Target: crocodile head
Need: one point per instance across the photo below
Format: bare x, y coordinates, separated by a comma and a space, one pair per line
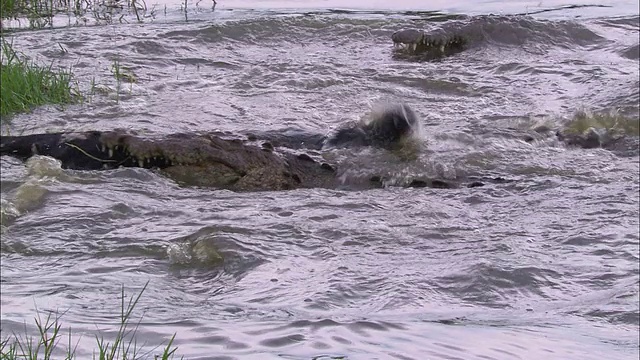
205, 160
414, 43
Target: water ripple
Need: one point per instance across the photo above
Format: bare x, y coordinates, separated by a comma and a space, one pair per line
545, 266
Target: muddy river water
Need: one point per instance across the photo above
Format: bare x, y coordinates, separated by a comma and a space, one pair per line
546, 267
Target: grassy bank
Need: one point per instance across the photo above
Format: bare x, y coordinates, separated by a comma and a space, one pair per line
27, 8
25, 84
52, 344
39, 13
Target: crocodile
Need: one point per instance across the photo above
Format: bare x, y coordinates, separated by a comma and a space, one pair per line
202, 160
213, 160
257, 162
208, 160
415, 43
439, 39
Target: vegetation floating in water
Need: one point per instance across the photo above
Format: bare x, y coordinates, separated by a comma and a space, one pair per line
25, 84
47, 345
612, 122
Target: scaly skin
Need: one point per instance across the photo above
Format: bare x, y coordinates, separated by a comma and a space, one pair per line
417, 43
207, 160
197, 160
280, 163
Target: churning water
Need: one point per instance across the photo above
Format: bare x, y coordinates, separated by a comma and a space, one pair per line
544, 267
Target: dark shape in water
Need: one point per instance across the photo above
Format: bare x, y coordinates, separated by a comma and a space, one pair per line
385, 129
619, 144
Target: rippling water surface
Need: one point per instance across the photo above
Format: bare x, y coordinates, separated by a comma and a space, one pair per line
545, 267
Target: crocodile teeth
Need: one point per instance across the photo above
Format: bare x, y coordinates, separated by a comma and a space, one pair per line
103, 148
414, 46
110, 153
441, 48
141, 163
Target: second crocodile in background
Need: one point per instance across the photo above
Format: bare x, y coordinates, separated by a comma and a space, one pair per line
418, 44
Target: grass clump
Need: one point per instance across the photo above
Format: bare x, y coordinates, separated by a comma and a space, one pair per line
14, 8
40, 13
47, 344
8, 8
25, 85
612, 122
